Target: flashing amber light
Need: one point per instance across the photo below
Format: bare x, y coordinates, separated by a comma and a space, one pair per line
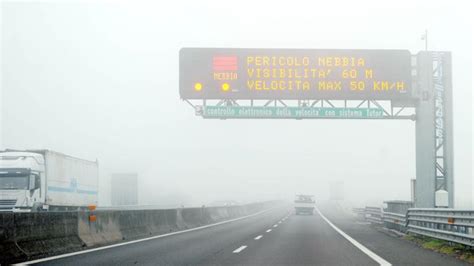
225, 86
197, 86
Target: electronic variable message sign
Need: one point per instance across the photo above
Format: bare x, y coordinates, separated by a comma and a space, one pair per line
221, 73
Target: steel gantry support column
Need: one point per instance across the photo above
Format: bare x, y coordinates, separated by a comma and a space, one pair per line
434, 129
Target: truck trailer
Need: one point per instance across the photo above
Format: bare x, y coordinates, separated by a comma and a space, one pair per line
42, 180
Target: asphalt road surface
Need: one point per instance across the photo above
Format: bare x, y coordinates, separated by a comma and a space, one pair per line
276, 237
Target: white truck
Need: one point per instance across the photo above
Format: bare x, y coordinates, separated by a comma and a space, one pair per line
40, 180
304, 204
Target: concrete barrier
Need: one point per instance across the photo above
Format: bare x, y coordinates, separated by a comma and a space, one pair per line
220, 213
8, 247
115, 226
27, 236
30, 235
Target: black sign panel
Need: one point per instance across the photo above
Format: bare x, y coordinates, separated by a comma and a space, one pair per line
221, 73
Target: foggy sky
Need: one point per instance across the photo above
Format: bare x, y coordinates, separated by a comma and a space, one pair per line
101, 81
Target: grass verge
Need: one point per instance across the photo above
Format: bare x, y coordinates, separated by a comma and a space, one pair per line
444, 247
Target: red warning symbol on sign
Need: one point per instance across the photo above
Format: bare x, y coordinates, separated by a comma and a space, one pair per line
224, 63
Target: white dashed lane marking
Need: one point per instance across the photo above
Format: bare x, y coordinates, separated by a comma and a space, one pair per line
239, 249
260, 236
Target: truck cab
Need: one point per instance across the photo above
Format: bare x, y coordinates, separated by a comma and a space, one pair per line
22, 181
304, 204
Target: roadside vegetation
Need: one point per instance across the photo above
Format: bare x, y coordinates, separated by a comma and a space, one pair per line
462, 252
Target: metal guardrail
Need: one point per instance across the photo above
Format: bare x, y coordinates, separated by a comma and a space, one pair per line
394, 218
373, 215
446, 224
370, 214
396, 221
359, 211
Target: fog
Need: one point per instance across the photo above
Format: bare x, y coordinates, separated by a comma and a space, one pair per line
100, 81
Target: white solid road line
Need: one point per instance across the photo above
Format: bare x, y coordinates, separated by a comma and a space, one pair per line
269, 230
367, 251
139, 240
239, 249
258, 237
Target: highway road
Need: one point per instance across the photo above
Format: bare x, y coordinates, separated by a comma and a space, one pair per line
275, 237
